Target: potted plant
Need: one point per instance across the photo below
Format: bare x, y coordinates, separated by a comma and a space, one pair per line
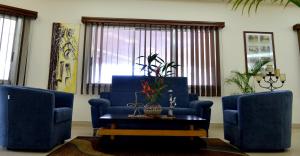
242, 80
156, 68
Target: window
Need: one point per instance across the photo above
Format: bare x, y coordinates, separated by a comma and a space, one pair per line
111, 48
7, 31
14, 32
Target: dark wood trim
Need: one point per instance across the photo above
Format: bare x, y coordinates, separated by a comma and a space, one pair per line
150, 22
83, 61
9, 10
299, 38
245, 52
245, 46
296, 27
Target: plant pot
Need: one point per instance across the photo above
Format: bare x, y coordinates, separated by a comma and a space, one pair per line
152, 109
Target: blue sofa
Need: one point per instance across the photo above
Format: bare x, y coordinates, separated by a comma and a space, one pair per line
123, 92
34, 119
258, 121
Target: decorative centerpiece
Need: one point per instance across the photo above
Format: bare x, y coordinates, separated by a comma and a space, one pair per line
172, 101
153, 88
270, 77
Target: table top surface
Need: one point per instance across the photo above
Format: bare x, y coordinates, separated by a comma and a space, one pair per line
178, 118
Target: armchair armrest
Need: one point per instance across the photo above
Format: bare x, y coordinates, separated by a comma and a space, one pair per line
101, 102
63, 99
230, 102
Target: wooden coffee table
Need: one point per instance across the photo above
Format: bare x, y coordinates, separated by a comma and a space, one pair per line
193, 126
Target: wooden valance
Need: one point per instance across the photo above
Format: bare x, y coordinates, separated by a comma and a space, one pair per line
297, 28
100, 20
9, 10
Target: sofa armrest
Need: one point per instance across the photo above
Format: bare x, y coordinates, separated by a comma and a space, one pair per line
98, 108
100, 102
230, 102
63, 99
105, 95
202, 108
200, 104
193, 97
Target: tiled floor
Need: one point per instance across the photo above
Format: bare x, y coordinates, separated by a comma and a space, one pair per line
215, 132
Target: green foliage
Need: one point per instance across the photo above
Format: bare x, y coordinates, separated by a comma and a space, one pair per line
241, 80
155, 64
251, 4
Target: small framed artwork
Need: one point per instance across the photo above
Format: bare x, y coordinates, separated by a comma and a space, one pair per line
258, 46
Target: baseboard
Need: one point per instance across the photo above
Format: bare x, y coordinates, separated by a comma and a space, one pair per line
216, 125
82, 123
220, 125
296, 126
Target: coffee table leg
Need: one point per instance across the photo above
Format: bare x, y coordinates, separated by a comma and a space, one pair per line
112, 126
192, 128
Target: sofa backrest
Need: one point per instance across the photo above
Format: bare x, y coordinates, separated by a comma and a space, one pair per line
124, 88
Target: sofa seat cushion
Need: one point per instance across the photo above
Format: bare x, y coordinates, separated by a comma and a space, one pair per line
120, 110
62, 114
129, 110
231, 116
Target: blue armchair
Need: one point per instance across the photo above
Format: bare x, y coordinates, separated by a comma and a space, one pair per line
258, 121
34, 119
123, 91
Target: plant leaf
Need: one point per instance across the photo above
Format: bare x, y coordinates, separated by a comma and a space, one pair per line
251, 3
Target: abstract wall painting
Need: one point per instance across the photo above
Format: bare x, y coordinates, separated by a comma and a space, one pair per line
64, 57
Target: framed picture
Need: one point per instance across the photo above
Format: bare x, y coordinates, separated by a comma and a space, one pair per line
258, 46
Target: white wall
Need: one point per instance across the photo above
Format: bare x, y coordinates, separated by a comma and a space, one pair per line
270, 18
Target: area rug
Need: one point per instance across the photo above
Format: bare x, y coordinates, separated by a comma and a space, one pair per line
95, 146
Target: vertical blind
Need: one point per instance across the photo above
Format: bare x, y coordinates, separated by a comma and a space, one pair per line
14, 35
10, 40
112, 49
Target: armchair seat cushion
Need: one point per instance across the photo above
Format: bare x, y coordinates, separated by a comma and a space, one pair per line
231, 116
62, 114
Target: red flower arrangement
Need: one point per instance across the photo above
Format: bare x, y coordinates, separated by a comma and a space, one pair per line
153, 91
160, 69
